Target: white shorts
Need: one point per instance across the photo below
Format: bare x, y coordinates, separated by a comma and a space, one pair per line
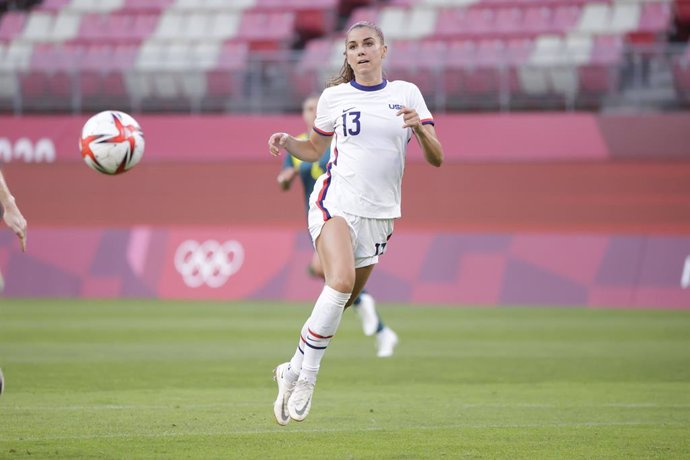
369, 236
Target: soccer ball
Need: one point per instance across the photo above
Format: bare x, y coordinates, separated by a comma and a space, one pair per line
111, 142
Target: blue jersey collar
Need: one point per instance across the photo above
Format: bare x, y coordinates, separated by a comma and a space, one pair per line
369, 88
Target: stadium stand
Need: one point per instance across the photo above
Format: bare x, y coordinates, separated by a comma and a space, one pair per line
201, 54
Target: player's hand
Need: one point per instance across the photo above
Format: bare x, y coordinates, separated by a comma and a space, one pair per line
410, 117
276, 142
15, 221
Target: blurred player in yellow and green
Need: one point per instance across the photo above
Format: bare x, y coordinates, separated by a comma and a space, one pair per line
386, 339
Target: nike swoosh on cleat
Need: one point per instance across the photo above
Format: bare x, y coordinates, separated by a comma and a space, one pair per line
285, 412
300, 412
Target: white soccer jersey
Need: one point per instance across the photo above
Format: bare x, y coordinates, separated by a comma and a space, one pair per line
364, 175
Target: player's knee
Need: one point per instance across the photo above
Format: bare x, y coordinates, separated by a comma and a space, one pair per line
342, 281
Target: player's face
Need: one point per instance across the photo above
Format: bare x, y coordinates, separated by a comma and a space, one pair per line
309, 111
364, 51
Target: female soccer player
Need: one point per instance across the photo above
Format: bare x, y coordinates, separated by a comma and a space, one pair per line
353, 205
365, 305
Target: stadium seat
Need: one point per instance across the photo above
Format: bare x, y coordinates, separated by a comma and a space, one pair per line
369, 14
565, 18
267, 31
625, 17
537, 21
145, 6
17, 56
508, 22
654, 24
600, 74
11, 25
309, 75
225, 80
595, 19
39, 27
52, 5
95, 6
419, 62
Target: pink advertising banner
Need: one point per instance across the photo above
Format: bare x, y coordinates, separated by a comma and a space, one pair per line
419, 267
467, 137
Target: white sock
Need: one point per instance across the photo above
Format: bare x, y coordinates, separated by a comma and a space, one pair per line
295, 366
320, 328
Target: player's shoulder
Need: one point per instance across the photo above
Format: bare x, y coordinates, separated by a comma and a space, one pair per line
336, 90
402, 85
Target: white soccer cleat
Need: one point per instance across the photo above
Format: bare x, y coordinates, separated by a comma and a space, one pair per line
2, 382
300, 401
386, 340
284, 391
366, 309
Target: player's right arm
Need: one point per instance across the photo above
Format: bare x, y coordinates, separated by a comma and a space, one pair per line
11, 214
309, 149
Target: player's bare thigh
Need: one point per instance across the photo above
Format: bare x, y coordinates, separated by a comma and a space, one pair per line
336, 254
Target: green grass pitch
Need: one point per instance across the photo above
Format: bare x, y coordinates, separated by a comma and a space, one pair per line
153, 379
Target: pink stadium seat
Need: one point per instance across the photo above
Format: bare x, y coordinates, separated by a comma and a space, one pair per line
429, 60
347, 7
490, 53
53, 5
117, 28
537, 21
313, 18
123, 57
565, 18
233, 56
145, 6
97, 57
508, 21
61, 85
143, 26
363, 14
307, 76
460, 58
480, 23
655, 17
11, 24
607, 50
33, 85
450, 22
402, 60
267, 31
99, 88
56, 57
226, 79
655, 22
600, 75
518, 51
90, 83
93, 27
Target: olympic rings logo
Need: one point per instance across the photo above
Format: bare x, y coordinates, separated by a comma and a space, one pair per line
209, 263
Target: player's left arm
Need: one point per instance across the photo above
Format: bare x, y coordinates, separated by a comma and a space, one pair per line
425, 134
